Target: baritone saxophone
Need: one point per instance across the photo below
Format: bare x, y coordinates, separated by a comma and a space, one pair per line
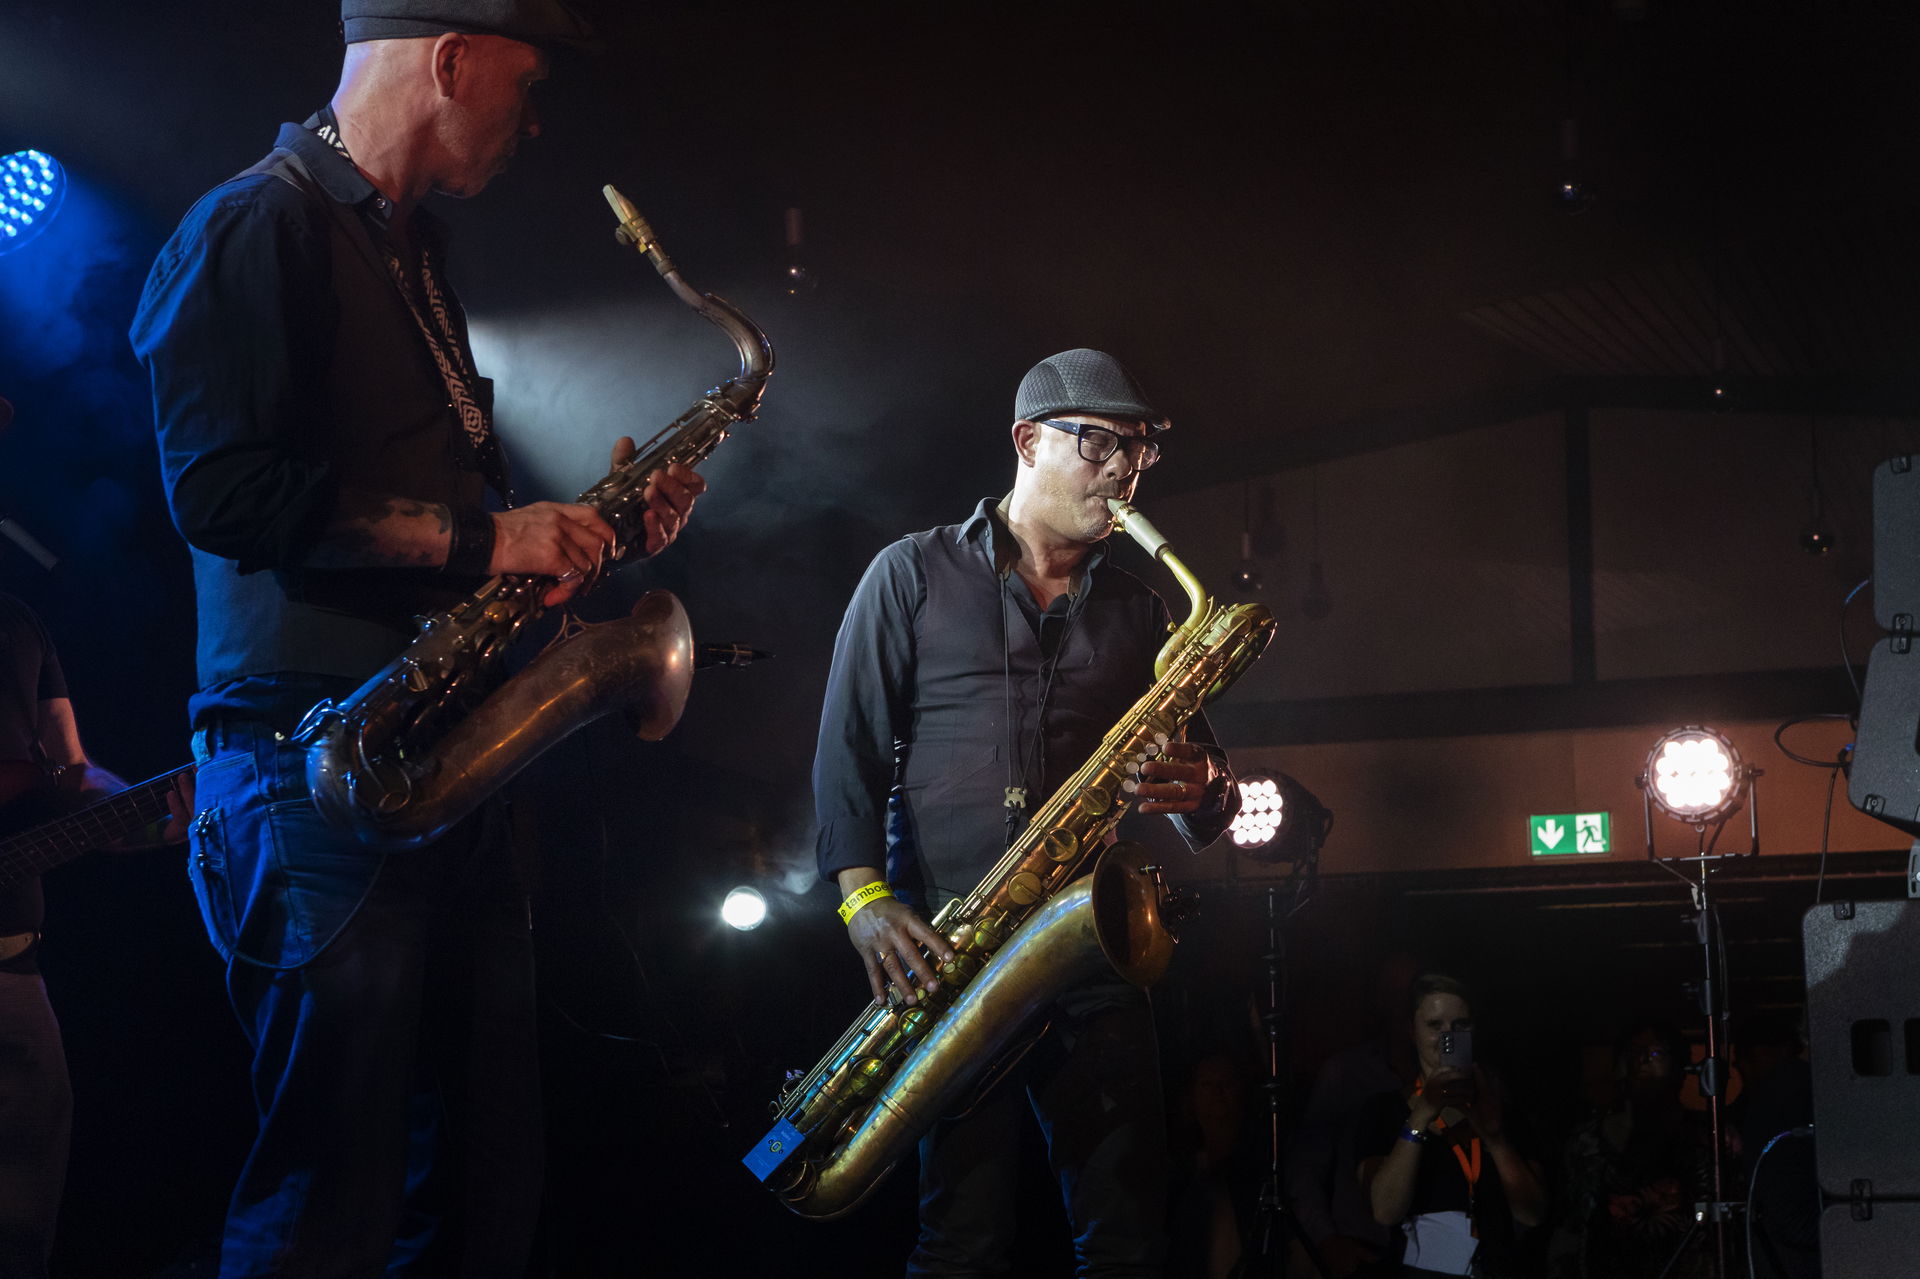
1030, 930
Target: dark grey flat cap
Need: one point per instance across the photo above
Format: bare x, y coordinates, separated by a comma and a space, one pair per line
547, 23
1082, 381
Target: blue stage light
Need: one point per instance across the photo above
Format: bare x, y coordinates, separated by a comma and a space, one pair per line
32, 185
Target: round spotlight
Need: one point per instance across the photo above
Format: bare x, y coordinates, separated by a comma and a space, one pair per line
1695, 775
744, 909
1279, 820
32, 185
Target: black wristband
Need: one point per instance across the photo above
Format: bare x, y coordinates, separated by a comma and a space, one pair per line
470, 549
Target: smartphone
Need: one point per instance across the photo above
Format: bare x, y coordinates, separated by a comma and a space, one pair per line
1456, 1050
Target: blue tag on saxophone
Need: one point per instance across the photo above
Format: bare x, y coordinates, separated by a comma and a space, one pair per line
773, 1149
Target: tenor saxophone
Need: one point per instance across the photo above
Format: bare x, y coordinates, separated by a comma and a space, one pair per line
435, 731
1031, 929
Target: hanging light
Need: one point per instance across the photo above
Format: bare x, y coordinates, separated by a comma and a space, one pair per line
745, 909
1279, 819
32, 185
1694, 775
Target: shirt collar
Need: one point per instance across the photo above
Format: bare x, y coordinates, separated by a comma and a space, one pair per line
986, 526
342, 181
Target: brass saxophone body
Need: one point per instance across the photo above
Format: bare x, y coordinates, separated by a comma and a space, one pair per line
1030, 930
435, 731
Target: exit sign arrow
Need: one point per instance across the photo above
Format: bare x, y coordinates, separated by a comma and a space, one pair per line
1551, 832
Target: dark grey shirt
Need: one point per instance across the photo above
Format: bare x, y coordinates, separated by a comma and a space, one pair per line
949, 684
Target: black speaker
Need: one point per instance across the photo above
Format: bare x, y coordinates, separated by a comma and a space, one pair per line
1863, 1023
1884, 779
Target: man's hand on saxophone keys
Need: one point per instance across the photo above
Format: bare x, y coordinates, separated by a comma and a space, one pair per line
1177, 781
892, 940
669, 496
561, 540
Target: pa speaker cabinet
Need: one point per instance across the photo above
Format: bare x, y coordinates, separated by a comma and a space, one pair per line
1863, 1022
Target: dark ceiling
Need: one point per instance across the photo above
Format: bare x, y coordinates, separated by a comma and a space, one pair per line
1287, 215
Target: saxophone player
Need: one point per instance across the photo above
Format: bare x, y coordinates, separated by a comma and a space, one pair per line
328, 453
978, 665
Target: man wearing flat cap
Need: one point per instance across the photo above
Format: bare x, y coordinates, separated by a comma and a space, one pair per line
328, 452
978, 666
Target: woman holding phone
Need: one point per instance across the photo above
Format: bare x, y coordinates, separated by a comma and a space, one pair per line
1443, 1166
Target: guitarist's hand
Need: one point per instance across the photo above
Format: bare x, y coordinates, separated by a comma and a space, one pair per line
179, 809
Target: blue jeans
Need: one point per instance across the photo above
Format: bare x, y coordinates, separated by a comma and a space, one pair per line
1093, 1082
389, 1004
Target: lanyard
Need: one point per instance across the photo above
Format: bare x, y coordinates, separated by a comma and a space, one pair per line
1469, 1163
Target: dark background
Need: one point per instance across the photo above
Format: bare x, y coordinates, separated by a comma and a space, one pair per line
1325, 235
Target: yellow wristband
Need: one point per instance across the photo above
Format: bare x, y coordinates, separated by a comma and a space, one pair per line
861, 896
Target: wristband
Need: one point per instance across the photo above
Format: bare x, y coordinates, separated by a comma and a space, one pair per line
470, 548
859, 897
1413, 1136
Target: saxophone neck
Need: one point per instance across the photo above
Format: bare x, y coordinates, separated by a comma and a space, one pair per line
742, 394
1153, 542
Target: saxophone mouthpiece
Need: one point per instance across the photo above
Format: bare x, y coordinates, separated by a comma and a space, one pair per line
633, 228
1138, 527
709, 655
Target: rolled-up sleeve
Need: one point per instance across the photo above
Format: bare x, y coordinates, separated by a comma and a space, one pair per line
234, 328
867, 707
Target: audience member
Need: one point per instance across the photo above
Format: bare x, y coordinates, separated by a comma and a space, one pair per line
1442, 1161
1634, 1169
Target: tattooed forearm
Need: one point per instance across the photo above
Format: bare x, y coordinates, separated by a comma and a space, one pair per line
379, 529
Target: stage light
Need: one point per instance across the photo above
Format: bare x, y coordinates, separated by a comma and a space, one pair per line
32, 185
1279, 819
744, 909
1695, 775
1258, 820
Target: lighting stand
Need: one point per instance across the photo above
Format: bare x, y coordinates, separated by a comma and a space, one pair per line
1263, 1249
1712, 1071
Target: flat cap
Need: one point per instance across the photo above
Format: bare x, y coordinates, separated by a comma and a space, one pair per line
547, 23
1082, 381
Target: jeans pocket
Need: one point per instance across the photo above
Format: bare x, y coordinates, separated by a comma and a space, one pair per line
323, 876
210, 863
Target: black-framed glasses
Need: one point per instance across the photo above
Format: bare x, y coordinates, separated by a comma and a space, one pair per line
1097, 443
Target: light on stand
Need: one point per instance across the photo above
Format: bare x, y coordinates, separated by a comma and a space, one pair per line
1694, 775
744, 909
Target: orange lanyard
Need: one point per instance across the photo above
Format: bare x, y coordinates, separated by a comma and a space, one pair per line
1469, 1163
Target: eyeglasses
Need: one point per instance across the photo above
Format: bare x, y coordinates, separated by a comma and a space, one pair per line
1097, 443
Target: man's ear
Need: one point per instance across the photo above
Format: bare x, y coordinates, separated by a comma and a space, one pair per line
1026, 441
450, 54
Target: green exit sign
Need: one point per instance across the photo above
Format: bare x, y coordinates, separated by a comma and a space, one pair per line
1569, 834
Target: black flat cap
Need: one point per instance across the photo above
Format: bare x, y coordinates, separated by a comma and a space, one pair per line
1082, 381
547, 23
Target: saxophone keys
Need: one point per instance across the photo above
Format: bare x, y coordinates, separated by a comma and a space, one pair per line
1026, 888
1060, 846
